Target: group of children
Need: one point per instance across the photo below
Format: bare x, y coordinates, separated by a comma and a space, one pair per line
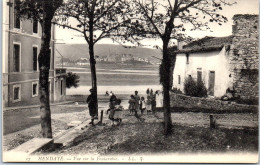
135, 104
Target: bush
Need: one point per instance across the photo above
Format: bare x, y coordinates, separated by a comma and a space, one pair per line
177, 91
248, 101
195, 89
72, 80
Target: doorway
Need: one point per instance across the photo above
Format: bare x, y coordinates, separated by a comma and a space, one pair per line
211, 83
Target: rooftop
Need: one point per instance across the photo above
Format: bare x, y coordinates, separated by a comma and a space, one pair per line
206, 44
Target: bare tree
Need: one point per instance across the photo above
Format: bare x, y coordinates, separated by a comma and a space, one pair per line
168, 20
95, 20
42, 11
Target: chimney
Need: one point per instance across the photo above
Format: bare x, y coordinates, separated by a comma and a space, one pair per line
180, 45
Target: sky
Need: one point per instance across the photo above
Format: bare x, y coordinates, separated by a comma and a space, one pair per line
241, 7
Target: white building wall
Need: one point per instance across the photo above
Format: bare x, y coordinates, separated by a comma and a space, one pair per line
216, 61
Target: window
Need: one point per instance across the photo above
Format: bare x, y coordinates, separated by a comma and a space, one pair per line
16, 58
17, 20
199, 76
187, 58
35, 26
61, 87
35, 89
35, 59
179, 79
16, 93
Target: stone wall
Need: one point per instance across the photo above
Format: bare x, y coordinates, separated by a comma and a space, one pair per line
209, 104
244, 56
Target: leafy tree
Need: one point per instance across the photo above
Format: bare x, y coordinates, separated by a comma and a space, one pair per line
168, 20
72, 80
42, 11
95, 20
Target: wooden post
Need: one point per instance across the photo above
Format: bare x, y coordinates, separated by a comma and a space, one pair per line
101, 117
212, 122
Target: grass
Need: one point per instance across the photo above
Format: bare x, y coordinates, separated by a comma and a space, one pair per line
133, 137
149, 139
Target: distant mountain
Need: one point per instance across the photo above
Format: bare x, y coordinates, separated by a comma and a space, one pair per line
76, 51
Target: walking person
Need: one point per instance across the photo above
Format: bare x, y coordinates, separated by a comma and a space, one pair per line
91, 101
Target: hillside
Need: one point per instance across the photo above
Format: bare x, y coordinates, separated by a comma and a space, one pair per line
76, 51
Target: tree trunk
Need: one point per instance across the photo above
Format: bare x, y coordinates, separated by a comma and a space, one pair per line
173, 60
44, 66
93, 73
166, 87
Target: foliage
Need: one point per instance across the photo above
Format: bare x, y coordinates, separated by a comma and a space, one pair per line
72, 80
37, 9
95, 19
193, 88
248, 101
177, 91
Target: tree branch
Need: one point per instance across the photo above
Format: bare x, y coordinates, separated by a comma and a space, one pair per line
105, 12
150, 19
187, 6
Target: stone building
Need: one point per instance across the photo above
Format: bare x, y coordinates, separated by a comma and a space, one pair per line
21, 46
223, 62
204, 60
244, 56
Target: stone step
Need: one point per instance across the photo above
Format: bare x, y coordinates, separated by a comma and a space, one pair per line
32, 145
74, 123
67, 137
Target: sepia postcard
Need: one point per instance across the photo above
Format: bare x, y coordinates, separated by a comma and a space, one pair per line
130, 81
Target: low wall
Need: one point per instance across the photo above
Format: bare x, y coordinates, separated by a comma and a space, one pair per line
209, 104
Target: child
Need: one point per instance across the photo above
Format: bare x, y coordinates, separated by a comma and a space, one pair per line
132, 103
142, 105
148, 104
118, 114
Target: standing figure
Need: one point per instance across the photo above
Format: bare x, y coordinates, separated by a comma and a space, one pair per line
151, 92
142, 105
91, 101
118, 114
132, 104
112, 100
137, 100
159, 98
153, 102
147, 91
148, 104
